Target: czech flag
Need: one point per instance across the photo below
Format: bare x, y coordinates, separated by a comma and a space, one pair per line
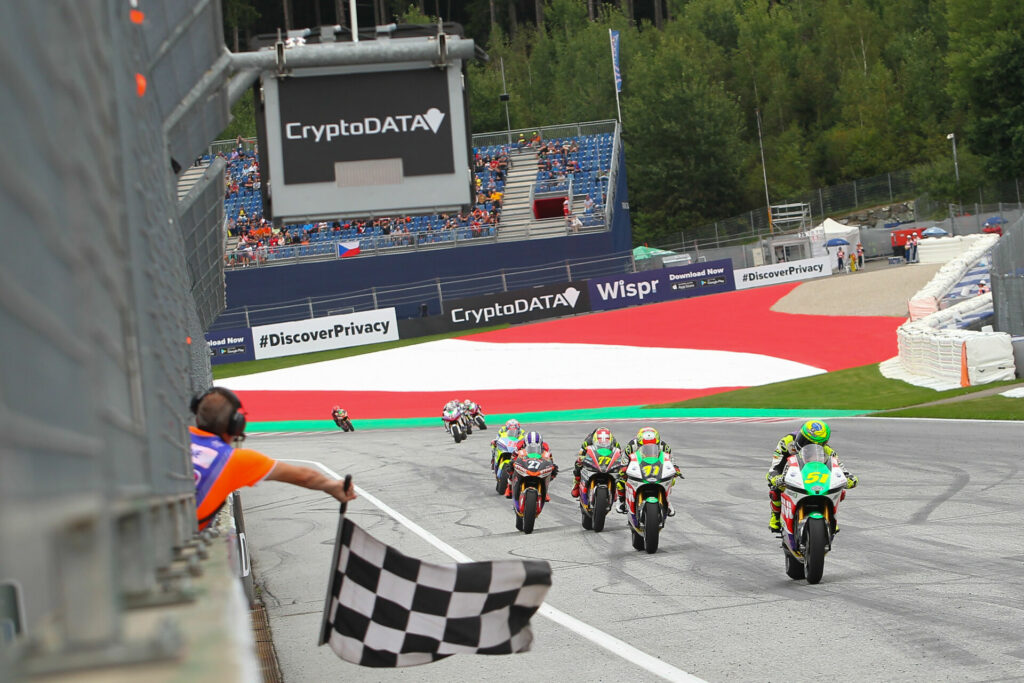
346, 249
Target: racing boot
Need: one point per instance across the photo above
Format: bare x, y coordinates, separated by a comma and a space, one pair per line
575, 493
508, 491
774, 523
621, 509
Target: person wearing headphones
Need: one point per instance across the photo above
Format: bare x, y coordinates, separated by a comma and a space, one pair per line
220, 468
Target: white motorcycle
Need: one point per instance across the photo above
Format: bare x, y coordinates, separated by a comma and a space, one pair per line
813, 485
649, 480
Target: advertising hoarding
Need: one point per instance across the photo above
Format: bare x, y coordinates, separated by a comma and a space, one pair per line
536, 303
666, 284
325, 333
230, 345
791, 271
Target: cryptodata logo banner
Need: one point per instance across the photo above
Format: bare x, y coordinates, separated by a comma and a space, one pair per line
323, 334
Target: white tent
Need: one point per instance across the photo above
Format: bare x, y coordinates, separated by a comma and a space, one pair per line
831, 229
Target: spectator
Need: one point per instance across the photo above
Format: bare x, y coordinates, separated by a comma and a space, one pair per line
840, 255
983, 287
588, 204
220, 468
576, 223
860, 256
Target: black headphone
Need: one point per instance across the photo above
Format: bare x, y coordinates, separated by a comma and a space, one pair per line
236, 422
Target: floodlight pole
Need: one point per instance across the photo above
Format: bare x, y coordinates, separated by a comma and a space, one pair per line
504, 98
354, 20
764, 172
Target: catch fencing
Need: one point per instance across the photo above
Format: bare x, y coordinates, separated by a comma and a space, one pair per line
97, 495
1008, 279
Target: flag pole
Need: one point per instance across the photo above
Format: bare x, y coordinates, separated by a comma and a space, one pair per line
616, 78
325, 623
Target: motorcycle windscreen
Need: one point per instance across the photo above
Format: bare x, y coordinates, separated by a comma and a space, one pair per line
812, 453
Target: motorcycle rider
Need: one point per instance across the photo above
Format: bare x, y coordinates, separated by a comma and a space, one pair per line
511, 430
812, 431
533, 443
450, 405
337, 413
644, 436
601, 438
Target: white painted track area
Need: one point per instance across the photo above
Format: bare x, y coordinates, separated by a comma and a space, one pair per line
924, 584
428, 367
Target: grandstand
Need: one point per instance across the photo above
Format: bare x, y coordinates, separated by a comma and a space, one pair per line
514, 187
517, 222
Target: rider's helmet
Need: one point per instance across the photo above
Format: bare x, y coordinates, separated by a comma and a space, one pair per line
513, 428
337, 408
647, 435
813, 431
602, 438
534, 443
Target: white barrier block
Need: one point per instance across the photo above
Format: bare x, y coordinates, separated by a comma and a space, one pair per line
989, 358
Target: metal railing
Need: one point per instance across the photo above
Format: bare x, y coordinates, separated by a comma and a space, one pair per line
433, 292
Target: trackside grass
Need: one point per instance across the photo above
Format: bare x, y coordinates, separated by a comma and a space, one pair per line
863, 389
981, 408
251, 367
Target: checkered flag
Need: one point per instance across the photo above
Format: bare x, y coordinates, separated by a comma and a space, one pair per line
386, 609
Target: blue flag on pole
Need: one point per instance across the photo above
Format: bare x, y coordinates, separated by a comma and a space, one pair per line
614, 35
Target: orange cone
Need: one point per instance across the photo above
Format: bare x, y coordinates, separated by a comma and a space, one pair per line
965, 378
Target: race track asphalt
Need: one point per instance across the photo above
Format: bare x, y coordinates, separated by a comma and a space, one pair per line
925, 581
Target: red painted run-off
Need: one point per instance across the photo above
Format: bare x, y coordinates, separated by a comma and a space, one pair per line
739, 321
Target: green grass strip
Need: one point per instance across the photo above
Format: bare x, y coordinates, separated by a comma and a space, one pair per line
851, 389
250, 367
595, 415
983, 408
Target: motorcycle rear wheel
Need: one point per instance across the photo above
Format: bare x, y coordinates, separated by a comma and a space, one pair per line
599, 507
480, 423
529, 510
652, 526
817, 539
794, 567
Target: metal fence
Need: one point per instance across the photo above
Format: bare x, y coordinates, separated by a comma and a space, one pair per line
1007, 276
433, 293
846, 198
96, 489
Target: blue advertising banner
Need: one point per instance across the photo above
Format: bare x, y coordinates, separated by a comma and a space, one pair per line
230, 345
614, 37
651, 286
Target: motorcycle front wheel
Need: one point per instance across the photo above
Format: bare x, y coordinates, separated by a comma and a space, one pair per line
599, 507
529, 510
652, 526
817, 539
502, 484
638, 540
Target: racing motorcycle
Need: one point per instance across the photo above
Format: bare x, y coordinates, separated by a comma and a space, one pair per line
342, 419
453, 422
599, 470
530, 475
502, 453
811, 490
476, 416
649, 479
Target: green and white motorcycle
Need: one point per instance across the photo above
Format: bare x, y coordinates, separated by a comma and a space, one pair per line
649, 479
813, 485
